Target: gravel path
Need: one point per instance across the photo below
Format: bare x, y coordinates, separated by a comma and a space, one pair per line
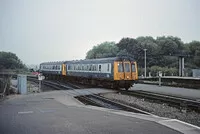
160, 109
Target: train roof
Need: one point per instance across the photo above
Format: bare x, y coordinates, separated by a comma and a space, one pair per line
53, 63
86, 61
101, 60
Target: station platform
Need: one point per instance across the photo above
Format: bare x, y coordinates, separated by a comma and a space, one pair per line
180, 92
58, 112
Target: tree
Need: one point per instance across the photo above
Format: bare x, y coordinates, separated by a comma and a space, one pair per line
148, 43
9, 60
194, 47
169, 45
128, 44
162, 51
103, 50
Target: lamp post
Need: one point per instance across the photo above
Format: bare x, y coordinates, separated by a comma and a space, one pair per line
145, 62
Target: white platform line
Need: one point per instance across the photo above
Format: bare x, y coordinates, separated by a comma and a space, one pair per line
25, 112
191, 125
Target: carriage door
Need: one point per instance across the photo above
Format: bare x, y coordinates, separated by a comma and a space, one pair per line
134, 71
63, 69
127, 70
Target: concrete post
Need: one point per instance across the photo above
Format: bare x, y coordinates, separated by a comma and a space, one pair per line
181, 66
160, 75
149, 74
39, 90
145, 63
22, 84
159, 81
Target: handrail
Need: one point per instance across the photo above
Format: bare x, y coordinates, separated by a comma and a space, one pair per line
2, 94
6, 85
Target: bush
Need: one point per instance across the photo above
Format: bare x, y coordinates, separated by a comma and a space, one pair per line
154, 71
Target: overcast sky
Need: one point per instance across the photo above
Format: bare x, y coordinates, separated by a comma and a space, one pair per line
51, 30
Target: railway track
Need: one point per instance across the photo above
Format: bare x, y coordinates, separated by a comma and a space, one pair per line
173, 100
182, 103
92, 99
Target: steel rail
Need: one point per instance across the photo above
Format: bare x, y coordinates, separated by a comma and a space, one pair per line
182, 102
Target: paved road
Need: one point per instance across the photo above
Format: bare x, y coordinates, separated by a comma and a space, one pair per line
56, 112
182, 92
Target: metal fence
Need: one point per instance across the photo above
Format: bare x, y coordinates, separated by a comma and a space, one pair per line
196, 73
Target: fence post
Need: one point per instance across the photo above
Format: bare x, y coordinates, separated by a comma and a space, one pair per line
160, 75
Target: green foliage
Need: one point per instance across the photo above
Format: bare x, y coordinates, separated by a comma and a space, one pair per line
103, 50
9, 60
161, 52
194, 48
154, 70
169, 45
128, 46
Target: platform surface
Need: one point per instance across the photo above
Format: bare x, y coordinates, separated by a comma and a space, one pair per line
58, 112
181, 92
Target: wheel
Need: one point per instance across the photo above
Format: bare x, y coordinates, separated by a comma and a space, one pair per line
126, 87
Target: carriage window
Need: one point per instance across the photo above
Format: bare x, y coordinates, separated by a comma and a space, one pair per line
133, 67
108, 68
79, 67
120, 68
95, 68
99, 67
90, 68
65, 68
127, 67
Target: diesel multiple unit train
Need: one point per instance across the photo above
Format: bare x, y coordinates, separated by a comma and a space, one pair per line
115, 72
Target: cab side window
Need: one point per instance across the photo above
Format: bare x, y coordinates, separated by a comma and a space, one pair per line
120, 67
100, 68
127, 67
133, 67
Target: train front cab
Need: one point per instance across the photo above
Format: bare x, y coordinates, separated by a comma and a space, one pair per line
125, 73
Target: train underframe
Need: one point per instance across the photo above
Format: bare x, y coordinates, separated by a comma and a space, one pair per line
115, 84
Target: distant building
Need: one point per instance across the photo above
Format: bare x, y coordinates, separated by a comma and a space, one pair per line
196, 73
32, 67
